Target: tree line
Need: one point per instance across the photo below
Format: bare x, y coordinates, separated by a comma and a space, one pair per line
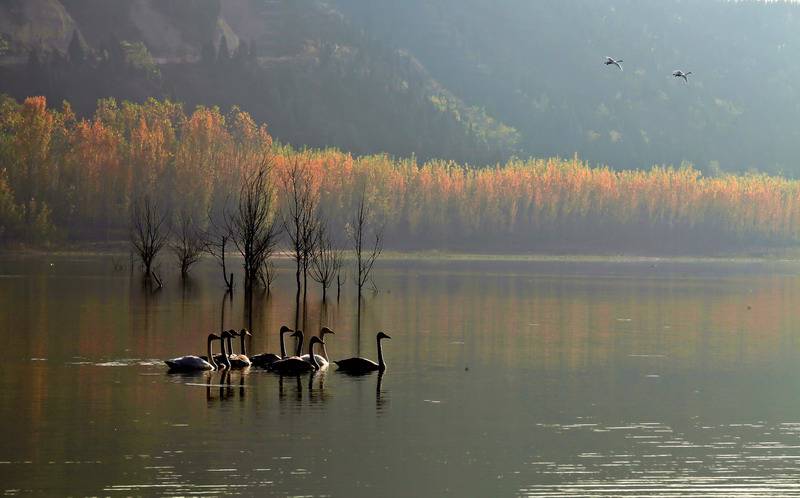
69, 179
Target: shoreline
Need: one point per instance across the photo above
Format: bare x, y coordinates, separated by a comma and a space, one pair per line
763, 256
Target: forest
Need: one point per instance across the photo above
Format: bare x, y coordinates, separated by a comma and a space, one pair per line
444, 79
71, 179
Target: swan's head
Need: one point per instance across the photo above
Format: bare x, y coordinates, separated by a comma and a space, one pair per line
381, 335
226, 335
285, 329
297, 333
245, 333
316, 340
325, 330
213, 337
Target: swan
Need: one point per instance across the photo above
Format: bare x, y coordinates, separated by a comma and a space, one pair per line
223, 358
681, 74
323, 358
610, 61
228, 359
363, 365
239, 360
295, 365
194, 363
264, 360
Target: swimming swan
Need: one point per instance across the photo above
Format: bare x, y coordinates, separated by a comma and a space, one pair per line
239, 360
363, 365
295, 365
194, 363
323, 358
264, 360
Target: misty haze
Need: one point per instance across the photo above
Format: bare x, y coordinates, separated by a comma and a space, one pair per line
400, 248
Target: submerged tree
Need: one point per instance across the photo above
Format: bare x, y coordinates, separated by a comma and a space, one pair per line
366, 248
216, 243
149, 231
187, 243
327, 260
252, 224
300, 222
269, 273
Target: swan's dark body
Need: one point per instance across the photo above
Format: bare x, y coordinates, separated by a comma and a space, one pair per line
264, 360
296, 365
360, 365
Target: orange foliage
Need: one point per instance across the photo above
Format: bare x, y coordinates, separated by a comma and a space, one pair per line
196, 162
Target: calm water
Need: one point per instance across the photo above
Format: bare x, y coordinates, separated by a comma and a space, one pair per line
504, 378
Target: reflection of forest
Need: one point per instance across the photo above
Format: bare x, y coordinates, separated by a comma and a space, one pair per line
551, 322
545, 328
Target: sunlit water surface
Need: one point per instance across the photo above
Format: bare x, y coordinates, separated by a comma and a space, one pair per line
505, 378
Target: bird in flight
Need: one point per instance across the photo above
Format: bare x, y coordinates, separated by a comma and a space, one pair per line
609, 61
681, 74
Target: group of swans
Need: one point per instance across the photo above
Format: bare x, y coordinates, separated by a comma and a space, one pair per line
282, 364
223, 361
610, 61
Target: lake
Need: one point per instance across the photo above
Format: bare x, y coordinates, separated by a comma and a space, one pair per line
505, 378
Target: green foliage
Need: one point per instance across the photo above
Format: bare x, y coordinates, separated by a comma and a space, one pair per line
138, 57
537, 67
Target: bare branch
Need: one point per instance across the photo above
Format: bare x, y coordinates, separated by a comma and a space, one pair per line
188, 243
252, 225
149, 231
365, 261
327, 259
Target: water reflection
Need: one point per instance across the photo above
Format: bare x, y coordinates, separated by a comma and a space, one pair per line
503, 379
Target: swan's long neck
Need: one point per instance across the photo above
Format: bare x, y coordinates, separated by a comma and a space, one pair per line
230, 345
325, 352
211, 355
243, 344
299, 349
225, 359
283, 346
381, 363
311, 356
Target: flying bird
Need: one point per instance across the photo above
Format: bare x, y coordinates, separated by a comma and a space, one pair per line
609, 61
681, 74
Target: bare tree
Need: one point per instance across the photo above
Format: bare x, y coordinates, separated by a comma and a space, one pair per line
252, 224
366, 252
300, 222
187, 243
340, 280
269, 273
149, 231
217, 238
327, 260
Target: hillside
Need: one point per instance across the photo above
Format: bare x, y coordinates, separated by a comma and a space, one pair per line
537, 66
299, 66
467, 80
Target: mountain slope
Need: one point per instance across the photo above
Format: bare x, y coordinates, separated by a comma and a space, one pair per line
538, 67
299, 66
